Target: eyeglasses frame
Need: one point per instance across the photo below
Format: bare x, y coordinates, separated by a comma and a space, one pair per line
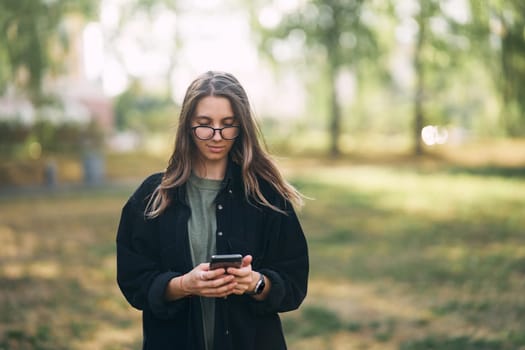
193, 128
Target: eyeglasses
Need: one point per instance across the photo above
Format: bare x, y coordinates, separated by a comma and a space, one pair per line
204, 133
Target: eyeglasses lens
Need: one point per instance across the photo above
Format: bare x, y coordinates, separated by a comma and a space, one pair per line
206, 132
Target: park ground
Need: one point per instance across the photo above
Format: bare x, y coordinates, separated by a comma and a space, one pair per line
406, 253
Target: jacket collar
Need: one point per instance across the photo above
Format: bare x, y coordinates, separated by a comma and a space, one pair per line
227, 181
231, 182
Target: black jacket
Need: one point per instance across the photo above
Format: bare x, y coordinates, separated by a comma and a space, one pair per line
150, 252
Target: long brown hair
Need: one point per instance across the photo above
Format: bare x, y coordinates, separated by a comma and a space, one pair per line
246, 150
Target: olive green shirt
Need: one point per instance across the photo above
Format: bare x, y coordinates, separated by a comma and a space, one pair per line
201, 229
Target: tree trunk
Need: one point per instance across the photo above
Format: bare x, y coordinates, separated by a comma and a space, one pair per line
418, 111
420, 87
335, 113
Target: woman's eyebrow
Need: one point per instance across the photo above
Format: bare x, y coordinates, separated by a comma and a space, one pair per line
200, 117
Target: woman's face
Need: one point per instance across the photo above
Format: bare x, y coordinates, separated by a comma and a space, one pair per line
215, 112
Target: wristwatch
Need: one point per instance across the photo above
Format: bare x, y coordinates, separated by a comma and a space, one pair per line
259, 286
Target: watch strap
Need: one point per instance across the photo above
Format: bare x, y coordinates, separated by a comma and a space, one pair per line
259, 286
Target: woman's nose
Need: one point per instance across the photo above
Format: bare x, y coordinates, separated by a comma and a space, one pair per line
217, 136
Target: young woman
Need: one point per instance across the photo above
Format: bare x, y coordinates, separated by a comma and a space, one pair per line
220, 194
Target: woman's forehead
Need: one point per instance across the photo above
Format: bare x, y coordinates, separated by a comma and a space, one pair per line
214, 107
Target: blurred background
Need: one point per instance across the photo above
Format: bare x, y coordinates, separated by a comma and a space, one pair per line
403, 120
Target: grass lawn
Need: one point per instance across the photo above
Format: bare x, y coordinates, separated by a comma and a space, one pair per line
412, 259
403, 257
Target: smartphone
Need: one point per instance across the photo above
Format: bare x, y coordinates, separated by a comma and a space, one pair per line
225, 261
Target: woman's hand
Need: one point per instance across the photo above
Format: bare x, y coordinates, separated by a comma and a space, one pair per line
245, 277
203, 282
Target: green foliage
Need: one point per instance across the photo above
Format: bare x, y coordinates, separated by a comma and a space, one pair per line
329, 34
16, 137
13, 132
332, 31
28, 31
457, 54
498, 36
138, 110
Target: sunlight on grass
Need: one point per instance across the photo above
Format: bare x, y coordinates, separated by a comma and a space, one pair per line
505, 152
38, 269
8, 245
432, 192
351, 298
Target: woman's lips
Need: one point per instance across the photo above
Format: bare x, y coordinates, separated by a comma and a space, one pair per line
215, 149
